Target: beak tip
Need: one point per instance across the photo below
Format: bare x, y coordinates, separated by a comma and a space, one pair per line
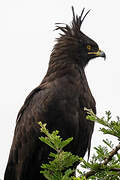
102, 54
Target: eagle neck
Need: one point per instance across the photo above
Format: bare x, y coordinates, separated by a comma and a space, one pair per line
59, 66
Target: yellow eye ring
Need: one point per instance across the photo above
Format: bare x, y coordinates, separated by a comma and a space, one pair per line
89, 47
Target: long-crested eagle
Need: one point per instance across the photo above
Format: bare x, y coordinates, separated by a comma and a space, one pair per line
58, 101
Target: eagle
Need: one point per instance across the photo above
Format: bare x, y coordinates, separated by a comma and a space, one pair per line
58, 101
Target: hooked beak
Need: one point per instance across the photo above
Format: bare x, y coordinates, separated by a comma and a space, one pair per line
99, 53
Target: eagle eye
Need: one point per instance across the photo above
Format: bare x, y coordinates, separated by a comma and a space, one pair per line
88, 47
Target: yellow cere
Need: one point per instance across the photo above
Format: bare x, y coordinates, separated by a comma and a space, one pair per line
96, 53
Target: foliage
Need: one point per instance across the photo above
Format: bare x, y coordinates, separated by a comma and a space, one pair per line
59, 167
104, 165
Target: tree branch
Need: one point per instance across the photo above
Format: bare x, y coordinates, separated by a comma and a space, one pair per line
111, 154
105, 162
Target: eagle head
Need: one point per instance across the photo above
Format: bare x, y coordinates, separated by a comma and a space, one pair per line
74, 42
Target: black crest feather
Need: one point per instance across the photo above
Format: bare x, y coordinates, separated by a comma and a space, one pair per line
78, 20
76, 23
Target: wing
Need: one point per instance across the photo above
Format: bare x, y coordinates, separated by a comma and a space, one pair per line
27, 101
27, 151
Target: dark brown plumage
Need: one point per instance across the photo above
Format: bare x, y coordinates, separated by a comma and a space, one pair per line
58, 101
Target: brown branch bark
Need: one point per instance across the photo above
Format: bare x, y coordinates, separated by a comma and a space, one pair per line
111, 154
115, 169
